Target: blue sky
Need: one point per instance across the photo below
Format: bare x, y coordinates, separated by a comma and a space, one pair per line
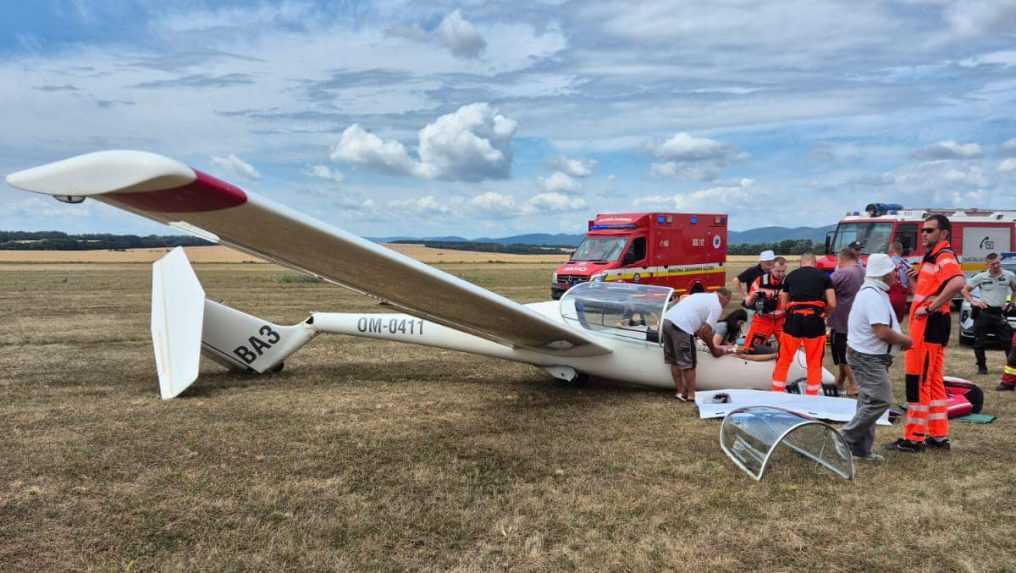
495, 118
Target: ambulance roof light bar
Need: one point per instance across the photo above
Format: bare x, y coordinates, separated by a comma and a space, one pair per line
879, 209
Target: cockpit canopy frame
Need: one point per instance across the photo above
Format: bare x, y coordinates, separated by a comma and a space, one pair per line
750, 435
624, 310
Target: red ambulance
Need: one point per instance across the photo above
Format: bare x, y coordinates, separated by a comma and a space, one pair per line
678, 250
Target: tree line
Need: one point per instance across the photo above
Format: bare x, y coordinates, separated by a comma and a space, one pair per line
788, 247
514, 248
58, 241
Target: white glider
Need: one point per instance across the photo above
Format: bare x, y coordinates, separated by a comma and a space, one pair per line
600, 329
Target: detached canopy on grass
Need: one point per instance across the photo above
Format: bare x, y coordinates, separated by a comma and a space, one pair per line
751, 435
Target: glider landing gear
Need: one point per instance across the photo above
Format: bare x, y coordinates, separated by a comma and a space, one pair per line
568, 374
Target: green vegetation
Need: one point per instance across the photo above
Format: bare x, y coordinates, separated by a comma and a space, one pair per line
57, 241
790, 247
515, 248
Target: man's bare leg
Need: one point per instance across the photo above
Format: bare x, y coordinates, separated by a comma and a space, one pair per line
678, 377
851, 381
689, 384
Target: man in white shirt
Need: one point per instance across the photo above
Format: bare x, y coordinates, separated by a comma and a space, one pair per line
873, 334
693, 316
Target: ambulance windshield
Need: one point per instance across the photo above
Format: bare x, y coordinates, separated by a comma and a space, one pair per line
874, 237
603, 249
631, 311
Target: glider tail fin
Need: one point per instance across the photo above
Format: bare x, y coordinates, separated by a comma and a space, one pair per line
186, 325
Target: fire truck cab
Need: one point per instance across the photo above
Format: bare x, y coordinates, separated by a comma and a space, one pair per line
975, 233
676, 250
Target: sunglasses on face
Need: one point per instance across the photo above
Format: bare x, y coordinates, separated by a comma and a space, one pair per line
928, 229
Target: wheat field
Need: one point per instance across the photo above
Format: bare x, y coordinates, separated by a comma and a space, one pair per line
371, 456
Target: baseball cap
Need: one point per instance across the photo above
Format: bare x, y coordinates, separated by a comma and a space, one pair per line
879, 265
856, 245
766, 256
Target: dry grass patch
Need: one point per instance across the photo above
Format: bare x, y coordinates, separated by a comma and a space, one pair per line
376, 456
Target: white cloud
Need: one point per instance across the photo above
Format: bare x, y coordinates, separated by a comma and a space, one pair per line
1007, 166
494, 203
575, 167
555, 202
460, 36
238, 166
1008, 149
326, 172
426, 205
471, 144
949, 149
972, 18
559, 182
364, 148
937, 182
722, 197
690, 157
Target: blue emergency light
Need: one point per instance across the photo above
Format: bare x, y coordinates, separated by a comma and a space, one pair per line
879, 209
694, 219
607, 227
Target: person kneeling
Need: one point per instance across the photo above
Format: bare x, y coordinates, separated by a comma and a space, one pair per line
873, 333
691, 317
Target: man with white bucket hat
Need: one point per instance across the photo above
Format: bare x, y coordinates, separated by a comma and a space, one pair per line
873, 334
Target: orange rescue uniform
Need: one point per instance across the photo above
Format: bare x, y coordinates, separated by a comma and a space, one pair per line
768, 319
926, 399
804, 326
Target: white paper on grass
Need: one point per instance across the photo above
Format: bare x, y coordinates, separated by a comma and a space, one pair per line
819, 407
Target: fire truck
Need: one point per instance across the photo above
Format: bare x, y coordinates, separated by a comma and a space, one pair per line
678, 250
975, 233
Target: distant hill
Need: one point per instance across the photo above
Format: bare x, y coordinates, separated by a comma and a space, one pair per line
762, 235
57, 241
776, 234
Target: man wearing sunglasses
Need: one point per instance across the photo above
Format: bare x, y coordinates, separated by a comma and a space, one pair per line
938, 279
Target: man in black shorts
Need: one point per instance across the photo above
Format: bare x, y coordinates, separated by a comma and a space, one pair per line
847, 280
693, 316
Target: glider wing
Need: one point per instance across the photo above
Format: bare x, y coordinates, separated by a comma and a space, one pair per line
170, 192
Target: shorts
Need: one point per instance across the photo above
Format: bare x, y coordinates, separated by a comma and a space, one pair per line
839, 344
678, 347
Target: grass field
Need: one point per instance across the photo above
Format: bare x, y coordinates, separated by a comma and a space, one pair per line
371, 456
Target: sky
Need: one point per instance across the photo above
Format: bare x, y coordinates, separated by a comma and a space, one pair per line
488, 119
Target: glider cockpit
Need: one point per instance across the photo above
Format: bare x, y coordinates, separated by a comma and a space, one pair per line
621, 310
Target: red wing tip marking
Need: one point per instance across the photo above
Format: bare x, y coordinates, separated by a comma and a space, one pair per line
205, 193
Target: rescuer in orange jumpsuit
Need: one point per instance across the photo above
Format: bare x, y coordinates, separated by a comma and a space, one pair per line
807, 298
764, 298
938, 279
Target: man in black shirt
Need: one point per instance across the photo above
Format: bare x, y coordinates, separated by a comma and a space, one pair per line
808, 297
766, 260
